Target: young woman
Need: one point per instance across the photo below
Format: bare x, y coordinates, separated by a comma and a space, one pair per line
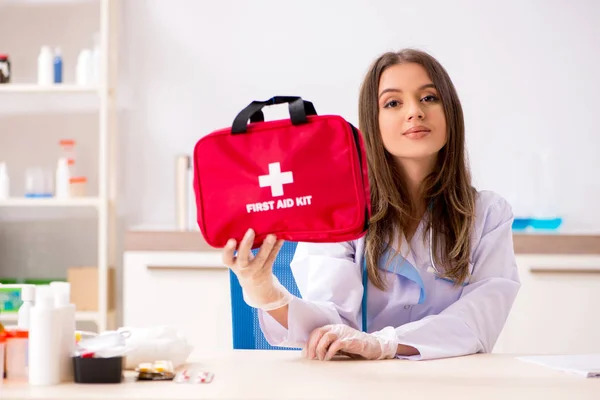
439, 256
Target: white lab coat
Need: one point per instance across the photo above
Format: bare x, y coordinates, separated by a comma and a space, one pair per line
433, 316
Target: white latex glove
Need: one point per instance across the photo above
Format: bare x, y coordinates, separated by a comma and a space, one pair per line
260, 287
327, 341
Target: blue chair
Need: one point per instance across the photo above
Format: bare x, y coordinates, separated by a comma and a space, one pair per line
246, 329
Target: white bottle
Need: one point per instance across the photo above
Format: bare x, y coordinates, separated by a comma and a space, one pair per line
95, 60
4, 182
45, 66
63, 177
62, 294
44, 340
83, 69
28, 298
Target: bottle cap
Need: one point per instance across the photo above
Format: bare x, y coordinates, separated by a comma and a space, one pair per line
67, 142
17, 334
28, 293
44, 297
62, 293
78, 179
85, 55
63, 162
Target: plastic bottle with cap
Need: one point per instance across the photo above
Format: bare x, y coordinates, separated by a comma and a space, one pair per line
4, 68
28, 298
62, 294
83, 69
2, 350
57, 65
17, 342
4, 182
63, 176
44, 340
45, 66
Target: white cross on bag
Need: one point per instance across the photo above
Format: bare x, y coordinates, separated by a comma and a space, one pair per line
276, 179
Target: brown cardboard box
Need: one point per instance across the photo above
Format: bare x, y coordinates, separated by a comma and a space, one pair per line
84, 288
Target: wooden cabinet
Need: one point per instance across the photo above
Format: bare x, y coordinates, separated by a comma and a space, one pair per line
186, 290
556, 309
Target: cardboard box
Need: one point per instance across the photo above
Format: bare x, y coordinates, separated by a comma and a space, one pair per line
84, 287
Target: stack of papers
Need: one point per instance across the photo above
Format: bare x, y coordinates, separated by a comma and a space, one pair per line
586, 365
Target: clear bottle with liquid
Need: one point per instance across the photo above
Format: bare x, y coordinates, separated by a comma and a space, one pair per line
546, 213
519, 194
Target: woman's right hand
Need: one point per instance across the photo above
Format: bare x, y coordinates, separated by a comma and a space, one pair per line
255, 273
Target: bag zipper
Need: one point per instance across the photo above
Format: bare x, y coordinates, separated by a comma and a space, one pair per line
360, 161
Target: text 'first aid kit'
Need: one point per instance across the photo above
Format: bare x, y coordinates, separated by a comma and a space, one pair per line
302, 179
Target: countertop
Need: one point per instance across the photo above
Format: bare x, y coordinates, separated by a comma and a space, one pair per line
270, 374
566, 243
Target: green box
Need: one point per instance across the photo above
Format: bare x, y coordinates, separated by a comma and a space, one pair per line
10, 299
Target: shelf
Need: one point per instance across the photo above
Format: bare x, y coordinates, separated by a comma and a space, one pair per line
25, 98
41, 2
51, 202
79, 316
34, 88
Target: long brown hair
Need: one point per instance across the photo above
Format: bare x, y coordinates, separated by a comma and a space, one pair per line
447, 190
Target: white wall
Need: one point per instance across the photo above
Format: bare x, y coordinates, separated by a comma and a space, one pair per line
526, 72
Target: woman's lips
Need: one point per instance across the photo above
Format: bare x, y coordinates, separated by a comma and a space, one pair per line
417, 132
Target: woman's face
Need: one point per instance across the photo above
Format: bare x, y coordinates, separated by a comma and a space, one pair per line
411, 115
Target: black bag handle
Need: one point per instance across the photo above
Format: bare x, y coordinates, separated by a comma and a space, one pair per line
299, 109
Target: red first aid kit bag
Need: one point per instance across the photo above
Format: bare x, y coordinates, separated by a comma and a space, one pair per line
302, 179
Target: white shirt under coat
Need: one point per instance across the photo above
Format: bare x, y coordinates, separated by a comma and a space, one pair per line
449, 321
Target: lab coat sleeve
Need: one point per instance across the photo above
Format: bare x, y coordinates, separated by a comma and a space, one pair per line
326, 274
473, 323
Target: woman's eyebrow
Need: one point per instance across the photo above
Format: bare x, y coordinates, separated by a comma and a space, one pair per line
389, 90
425, 86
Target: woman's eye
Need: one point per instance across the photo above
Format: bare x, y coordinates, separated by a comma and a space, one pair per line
391, 104
429, 99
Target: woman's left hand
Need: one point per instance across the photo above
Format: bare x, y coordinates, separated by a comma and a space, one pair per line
329, 340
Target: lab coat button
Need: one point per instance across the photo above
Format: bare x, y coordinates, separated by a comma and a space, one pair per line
406, 307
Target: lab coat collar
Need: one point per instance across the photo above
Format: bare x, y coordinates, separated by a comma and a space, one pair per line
403, 263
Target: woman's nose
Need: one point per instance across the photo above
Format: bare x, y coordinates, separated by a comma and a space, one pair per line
415, 111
